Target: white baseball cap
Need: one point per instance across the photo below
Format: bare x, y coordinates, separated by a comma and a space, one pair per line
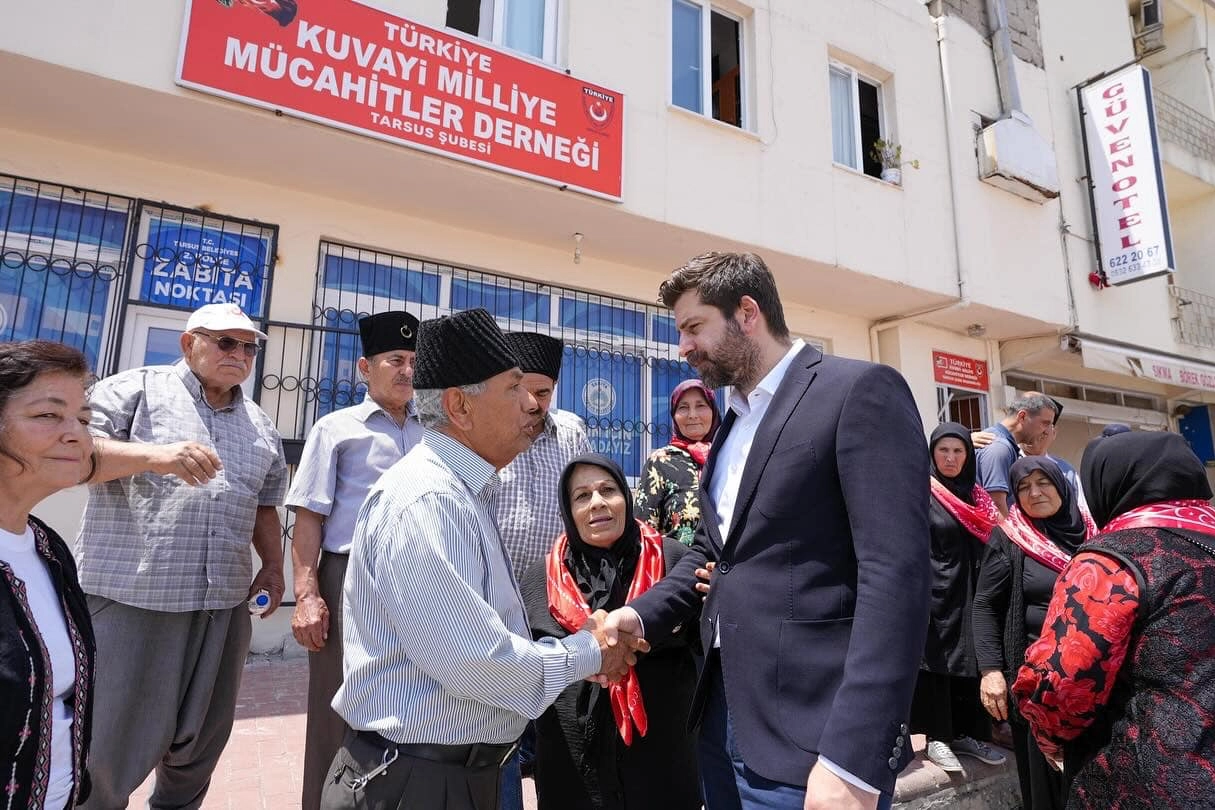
220, 318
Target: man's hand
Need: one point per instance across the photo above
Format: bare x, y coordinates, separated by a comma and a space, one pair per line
310, 622
826, 791
618, 648
993, 694
705, 575
982, 438
271, 578
192, 462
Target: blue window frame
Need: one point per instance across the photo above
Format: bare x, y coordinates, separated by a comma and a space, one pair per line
606, 319
354, 275
510, 303
604, 388
60, 259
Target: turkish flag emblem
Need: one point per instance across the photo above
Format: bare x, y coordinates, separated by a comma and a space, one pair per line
599, 108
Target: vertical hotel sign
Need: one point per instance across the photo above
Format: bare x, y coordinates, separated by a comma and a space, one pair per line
350, 66
1126, 183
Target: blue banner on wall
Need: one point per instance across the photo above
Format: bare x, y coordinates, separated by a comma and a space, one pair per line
186, 265
605, 389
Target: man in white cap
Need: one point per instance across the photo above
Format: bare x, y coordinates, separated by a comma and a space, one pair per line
189, 473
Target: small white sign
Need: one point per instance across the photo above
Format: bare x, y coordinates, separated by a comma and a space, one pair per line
1125, 178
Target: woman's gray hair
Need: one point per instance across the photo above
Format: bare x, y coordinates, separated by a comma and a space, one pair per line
428, 404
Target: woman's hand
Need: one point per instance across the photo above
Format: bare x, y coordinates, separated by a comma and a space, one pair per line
993, 694
705, 574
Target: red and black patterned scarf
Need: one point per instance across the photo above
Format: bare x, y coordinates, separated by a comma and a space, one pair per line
1036, 544
570, 609
1191, 514
978, 519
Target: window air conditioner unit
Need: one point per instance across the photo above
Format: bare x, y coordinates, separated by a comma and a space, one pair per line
1149, 28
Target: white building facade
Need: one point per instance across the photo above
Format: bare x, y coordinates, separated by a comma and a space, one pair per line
127, 198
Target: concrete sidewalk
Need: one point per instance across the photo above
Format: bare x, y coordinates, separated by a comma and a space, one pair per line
262, 765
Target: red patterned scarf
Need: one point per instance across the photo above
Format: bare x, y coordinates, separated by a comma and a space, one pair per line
699, 451
1038, 545
1195, 515
569, 608
979, 519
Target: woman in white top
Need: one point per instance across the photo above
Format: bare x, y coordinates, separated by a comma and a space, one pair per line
46, 639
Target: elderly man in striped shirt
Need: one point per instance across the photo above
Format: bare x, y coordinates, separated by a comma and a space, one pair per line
441, 673
527, 508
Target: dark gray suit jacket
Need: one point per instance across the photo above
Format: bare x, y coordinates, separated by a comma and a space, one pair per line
821, 589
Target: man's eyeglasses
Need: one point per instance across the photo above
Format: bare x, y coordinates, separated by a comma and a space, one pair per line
228, 344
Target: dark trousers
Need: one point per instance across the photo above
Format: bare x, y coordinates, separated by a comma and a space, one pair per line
325, 728
1041, 785
408, 783
946, 707
727, 782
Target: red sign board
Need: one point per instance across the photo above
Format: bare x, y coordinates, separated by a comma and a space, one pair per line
959, 372
347, 65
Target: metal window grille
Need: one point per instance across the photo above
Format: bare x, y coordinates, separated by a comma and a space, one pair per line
621, 358
1194, 318
62, 260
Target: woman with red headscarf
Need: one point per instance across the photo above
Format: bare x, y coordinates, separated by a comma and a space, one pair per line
625, 746
961, 516
666, 494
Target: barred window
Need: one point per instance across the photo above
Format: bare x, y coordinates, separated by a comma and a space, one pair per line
621, 357
61, 259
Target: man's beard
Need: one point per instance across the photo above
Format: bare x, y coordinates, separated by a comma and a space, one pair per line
734, 362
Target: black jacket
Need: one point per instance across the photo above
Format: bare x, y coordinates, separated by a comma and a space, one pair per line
956, 554
22, 665
581, 762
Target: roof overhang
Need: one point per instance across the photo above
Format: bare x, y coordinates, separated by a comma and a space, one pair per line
1184, 373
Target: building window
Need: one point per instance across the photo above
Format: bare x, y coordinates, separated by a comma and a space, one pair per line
61, 265
621, 357
527, 26
184, 259
709, 85
967, 408
856, 118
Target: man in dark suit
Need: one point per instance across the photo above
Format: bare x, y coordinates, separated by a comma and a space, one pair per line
814, 506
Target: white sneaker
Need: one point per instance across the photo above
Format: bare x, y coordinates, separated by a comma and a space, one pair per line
979, 750
942, 755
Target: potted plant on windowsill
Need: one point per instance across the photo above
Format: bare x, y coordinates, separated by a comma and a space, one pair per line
890, 155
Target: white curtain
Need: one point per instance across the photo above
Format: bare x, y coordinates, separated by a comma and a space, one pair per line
523, 26
843, 122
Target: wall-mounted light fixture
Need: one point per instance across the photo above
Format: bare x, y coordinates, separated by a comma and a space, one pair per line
577, 248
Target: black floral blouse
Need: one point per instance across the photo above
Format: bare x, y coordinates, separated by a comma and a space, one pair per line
666, 494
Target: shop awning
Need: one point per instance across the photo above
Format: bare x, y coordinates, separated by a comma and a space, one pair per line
1180, 372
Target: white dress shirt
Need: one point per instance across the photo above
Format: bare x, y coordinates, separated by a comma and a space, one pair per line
749, 413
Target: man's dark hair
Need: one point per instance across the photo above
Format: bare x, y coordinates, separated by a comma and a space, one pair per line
722, 279
21, 362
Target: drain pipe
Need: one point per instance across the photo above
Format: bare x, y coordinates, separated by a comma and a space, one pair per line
951, 165
1006, 70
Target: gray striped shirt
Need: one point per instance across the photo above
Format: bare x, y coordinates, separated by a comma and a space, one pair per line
436, 642
153, 541
527, 507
